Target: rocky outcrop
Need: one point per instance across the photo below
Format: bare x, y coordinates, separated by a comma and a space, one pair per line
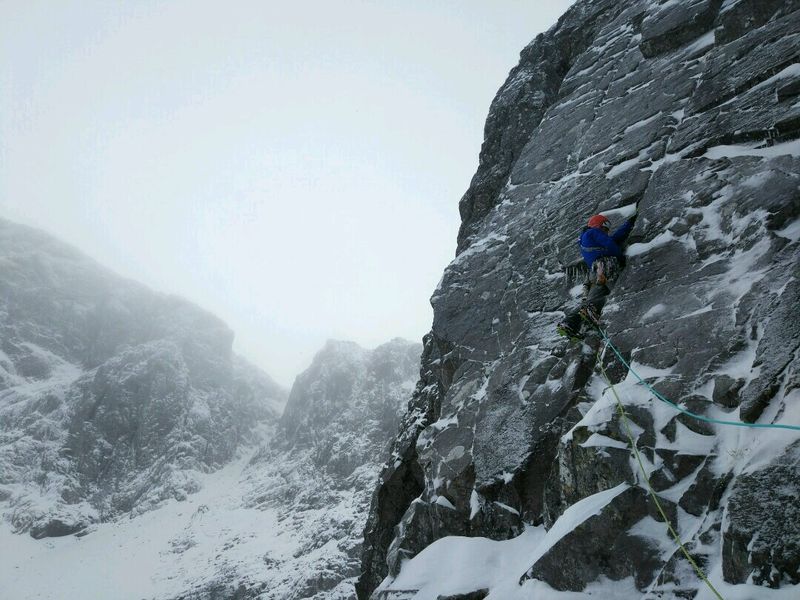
113, 398
688, 109
356, 390
518, 108
671, 25
318, 469
601, 545
759, 539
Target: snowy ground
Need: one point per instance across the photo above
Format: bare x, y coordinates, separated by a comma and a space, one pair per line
459, 565
156, 555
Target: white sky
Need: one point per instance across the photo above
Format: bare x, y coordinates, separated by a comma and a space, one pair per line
293, 167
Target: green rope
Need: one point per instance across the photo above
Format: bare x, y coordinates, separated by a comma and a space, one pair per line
683, 410
677, 538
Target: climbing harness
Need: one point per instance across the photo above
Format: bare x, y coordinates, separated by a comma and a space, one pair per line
655, 393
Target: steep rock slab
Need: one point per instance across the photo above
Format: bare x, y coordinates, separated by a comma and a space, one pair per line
674, 24
762, 531
702, 135
737, 17
777, 351
530, 89
590, 459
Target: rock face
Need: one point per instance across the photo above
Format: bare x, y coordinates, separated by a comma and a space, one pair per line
691, 110
601, 546
760, 539
112, 397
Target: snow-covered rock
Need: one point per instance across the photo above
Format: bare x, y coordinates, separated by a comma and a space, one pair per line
126, 420
113, 398
691, 110
320, 468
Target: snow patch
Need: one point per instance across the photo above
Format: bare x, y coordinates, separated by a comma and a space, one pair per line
459, 565
480, 246
662, 239
574, 516
791, 148
623, 212
790, 72
704, 41
158, 554
442, 501
653, 312
642, 123
474, 504
622, 167
597, 440
791, 231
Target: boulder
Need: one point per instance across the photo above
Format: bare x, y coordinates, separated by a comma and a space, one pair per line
601, 545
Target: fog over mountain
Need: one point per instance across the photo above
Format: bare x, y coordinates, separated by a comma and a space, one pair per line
131, 437
273, 162
115, 398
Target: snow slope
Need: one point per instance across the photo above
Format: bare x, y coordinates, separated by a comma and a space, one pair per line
160, 554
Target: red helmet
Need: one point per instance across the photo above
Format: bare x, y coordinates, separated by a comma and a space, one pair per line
598, 221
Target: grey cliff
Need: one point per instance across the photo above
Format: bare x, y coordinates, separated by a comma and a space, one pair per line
692, 110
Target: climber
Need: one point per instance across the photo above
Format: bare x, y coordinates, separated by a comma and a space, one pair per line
603, 253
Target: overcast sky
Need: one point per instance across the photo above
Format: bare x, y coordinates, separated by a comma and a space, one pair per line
293, 167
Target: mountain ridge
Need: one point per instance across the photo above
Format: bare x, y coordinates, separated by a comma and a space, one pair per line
106, 384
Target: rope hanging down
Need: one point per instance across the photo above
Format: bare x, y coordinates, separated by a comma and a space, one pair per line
683, 410
653, 495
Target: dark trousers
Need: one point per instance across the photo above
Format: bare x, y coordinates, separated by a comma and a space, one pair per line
598, 293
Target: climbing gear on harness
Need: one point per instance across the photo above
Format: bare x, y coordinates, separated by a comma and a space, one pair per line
600, 271
605, 268
577, 271
598, 221
589, 313
568, 332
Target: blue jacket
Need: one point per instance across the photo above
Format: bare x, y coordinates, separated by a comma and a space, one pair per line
596, 243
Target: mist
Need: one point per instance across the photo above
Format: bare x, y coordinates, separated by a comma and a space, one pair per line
294, 168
